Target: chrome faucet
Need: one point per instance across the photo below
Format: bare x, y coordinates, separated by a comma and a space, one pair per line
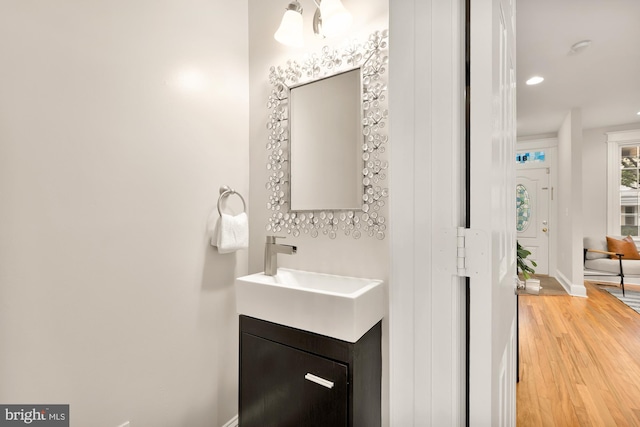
271, 249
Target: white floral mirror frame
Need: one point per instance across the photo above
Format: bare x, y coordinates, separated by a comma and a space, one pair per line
372, 57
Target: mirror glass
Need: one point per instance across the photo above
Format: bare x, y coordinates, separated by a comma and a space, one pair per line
325, 128
327, 142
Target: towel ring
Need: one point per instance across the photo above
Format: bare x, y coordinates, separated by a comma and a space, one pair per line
226, 191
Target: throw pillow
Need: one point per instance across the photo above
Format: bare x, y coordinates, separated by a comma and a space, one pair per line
626, 247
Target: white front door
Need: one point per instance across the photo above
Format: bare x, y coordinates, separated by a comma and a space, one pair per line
532, 215
492, 306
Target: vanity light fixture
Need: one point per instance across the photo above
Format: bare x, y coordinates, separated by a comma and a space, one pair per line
290, 31
330, 19
335, 18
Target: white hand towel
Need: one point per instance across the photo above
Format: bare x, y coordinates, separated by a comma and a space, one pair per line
231, 233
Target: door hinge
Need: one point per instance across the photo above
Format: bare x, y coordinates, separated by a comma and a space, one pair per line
472, 252
461, 259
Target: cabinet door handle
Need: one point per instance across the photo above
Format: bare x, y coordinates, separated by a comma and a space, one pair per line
318, 380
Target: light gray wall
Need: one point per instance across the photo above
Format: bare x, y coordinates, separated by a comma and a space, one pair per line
111, 298
365, 257
570, 202
594, 178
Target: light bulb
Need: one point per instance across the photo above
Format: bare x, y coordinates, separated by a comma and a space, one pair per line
335, 18
290, 31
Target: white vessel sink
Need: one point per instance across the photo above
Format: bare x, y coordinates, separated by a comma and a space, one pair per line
336, 306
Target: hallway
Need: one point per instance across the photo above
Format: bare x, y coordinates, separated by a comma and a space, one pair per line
579, 361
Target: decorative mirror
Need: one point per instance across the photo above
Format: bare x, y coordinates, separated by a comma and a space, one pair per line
327, 118
523, 208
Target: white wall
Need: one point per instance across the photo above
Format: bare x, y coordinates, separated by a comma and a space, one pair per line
570, 186
111, 299
594, 178
365, 257
426, 131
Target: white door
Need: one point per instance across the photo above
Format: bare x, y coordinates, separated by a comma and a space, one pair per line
532, 215
492, 306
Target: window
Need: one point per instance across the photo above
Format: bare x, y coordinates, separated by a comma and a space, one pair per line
624, 183
629, 189
523, 208
530, 157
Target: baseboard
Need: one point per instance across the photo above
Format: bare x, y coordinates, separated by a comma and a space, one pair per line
571, 288
563, 281
233, 422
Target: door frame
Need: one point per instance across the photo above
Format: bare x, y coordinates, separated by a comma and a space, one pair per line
492, 130
550, 146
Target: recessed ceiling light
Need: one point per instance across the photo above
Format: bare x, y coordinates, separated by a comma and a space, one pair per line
579, 47
638, 113
535, 80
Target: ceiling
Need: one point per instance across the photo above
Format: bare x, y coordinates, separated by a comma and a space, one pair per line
603, 80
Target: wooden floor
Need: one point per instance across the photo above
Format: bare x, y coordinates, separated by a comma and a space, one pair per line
579, 361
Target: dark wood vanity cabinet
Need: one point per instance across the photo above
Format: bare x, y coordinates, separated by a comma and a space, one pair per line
294, 378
